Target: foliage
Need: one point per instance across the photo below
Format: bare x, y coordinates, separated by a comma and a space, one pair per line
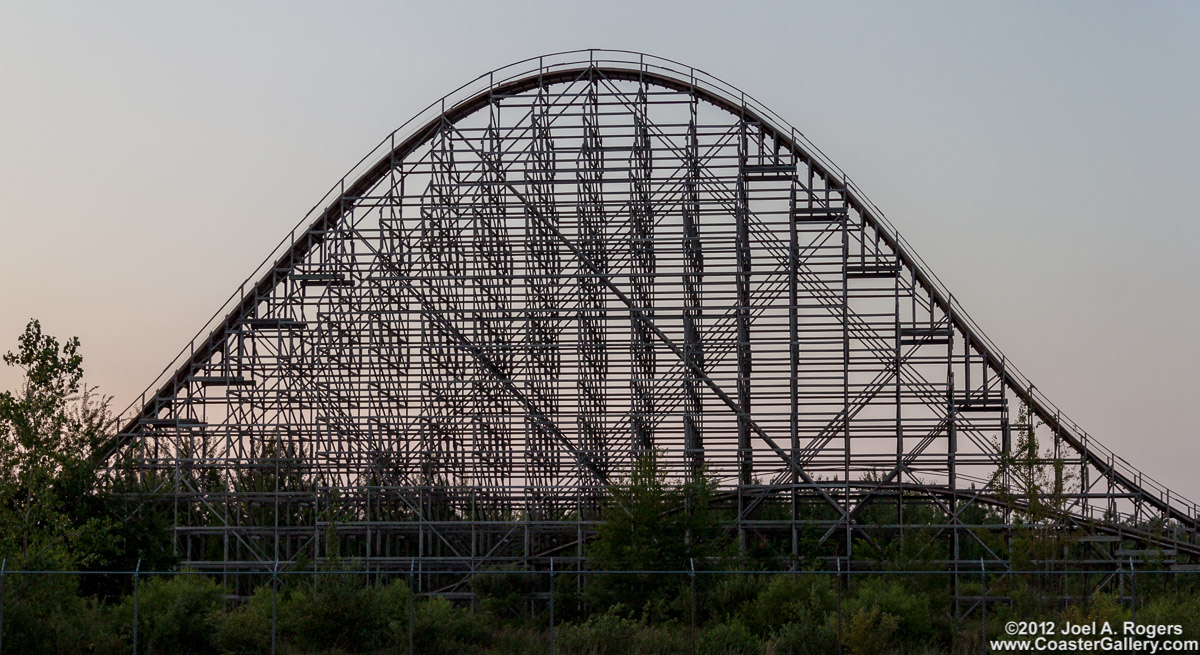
649, 524
610, 634
731, 596
869, 631
175, 614
805, 638
54, 515
804, 599
441, 628
246, 629
505, 594
730, 638
1174, 609
1100, 609
886, 609
1037, 477
342, 611
46, 614
47, 430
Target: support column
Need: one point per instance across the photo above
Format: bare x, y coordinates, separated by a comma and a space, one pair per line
591, 335
544, 271
643, 264
492, 429
745, 454
693, 273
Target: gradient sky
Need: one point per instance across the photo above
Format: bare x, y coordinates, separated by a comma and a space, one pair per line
1038, 156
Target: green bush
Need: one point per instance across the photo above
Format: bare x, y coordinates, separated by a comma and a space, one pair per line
513, 641
649, 524
246, 629
441, 628
797, 599
1174, 609
730, 638
608, 634
870, 631
807, 638
730, 596
176, 614
888, 604
1101, 608
506, 594
568, 599
342, 612
45, 614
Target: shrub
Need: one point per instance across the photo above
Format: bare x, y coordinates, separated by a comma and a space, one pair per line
514, 641
1100, 609
1175, 609
904, 615
730, 638
652, 524
730, 595
45, 614
869, 631
246, 629
801, 599
442, 628
807, 638
609, 634
506, 594
176, 614
334, 611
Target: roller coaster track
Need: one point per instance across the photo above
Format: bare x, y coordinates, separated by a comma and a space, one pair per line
559, 267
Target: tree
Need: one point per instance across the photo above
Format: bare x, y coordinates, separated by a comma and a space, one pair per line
47, 430
54, 514
649, 524
48, 518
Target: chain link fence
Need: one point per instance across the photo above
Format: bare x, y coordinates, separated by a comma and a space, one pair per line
555, 610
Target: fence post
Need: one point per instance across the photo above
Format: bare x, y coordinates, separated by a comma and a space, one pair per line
274, 603
839, 605
136, 572
551, 606
3, 568
412, 591
983, 600
692, 635
1132, 591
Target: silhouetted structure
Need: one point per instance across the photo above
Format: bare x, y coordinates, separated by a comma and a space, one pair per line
566, 264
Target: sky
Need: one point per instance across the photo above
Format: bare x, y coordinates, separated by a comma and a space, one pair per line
1038, 156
